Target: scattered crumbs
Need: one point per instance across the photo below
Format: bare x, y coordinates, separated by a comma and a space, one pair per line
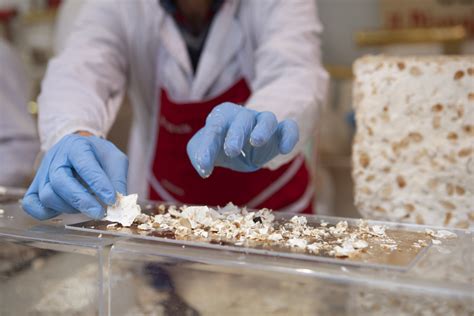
440, 234
360, 244
314, 247
10, 217
421, 243
145, 226
231, 225
378, 230
390, 247
38, 263
297, 242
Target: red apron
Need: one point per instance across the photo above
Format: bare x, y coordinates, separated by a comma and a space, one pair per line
174, 179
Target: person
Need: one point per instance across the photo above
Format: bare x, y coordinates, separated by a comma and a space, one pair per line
19, 142
222, 91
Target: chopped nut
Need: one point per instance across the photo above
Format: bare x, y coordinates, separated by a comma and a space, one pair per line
447, 217
452, 136
364, 160
437, 108
447, 205
469, 129
465, 152
458, 75
415, 136
436, 122
460, 190
449, 189
419, 219
415, 71
471, 216
401, 182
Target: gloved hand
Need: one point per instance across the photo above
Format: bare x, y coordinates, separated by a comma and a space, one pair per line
76, 160
240, 139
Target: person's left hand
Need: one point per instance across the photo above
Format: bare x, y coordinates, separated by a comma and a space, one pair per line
240, 139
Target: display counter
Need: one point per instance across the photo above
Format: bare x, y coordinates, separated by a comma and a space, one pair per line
53, 270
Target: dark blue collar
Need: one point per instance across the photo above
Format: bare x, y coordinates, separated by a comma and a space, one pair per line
170, 6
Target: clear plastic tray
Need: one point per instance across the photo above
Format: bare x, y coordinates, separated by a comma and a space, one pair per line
375, 256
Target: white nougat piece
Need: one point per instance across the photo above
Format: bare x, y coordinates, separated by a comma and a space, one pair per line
124, 211
413, 153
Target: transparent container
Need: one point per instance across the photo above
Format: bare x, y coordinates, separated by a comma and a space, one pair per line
153, 276
47, 270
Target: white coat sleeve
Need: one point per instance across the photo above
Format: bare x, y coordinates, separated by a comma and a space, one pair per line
289, 78
83, 86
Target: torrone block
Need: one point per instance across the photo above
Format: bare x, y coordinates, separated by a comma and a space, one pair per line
413, 153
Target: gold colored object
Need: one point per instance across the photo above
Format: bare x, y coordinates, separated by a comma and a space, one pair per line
39, 16
32, 107
340, 72
411, 36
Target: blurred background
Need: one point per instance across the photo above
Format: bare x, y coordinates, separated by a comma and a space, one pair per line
36, 29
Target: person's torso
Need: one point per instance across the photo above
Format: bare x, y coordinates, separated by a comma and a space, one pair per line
158, 59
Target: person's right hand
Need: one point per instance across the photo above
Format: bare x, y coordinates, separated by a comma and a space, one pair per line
76, 160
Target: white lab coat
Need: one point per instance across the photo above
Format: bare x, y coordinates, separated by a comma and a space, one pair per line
122, 44
19, 142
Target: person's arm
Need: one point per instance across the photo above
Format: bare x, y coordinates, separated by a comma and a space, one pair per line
80, 96
84, 84
290, 80
288, 89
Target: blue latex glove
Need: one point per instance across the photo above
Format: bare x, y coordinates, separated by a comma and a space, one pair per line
240, 139
76, 160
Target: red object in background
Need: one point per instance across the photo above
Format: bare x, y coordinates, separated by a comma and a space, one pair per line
53, 4
6, 16
399, 14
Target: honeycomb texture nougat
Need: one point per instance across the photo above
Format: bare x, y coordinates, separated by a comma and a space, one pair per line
413, 153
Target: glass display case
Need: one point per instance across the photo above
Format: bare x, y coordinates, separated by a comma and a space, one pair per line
206, 280
88, 271
46, 270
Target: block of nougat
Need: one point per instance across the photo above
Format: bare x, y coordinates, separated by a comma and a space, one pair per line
413, 153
